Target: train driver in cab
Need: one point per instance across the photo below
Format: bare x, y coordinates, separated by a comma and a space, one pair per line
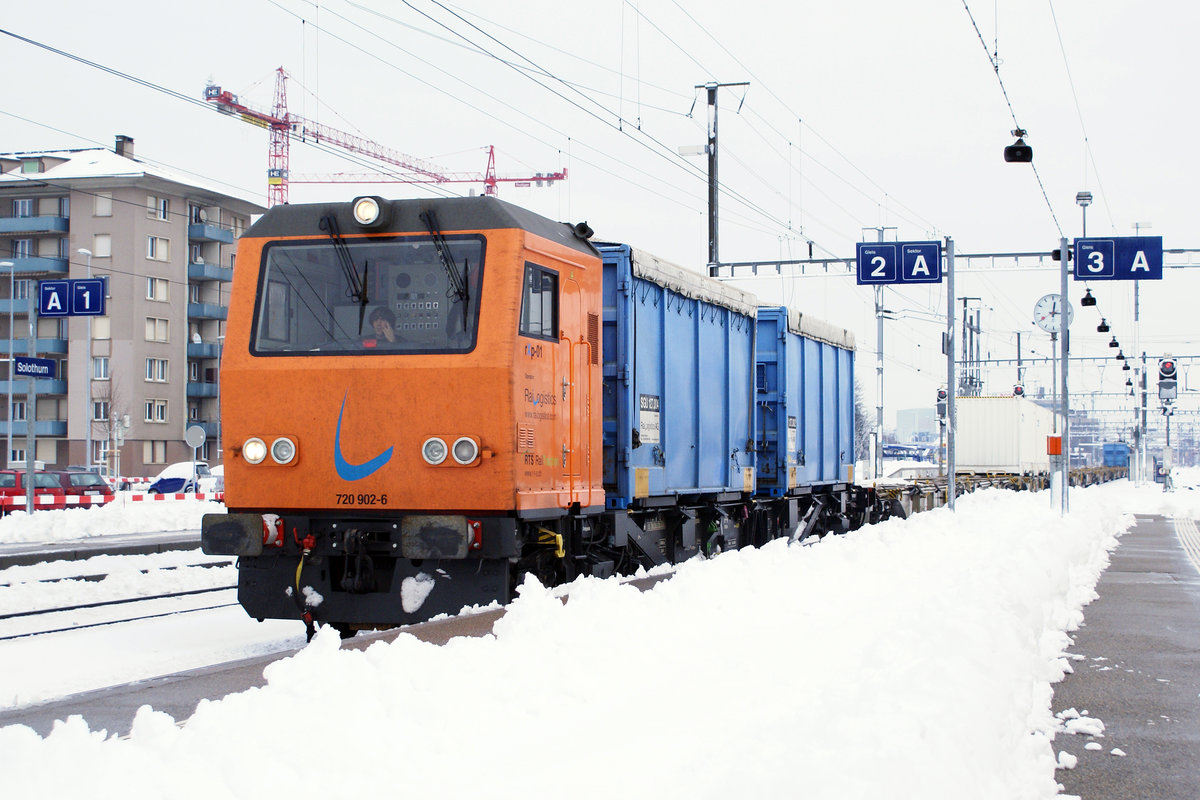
383, 322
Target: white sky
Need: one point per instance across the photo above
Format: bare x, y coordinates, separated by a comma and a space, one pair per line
859, 114
918, 653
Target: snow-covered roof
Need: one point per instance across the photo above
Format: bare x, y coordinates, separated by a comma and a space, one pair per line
819, 329
101, 163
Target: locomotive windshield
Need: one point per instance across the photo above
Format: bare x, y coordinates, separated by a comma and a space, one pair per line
368, 296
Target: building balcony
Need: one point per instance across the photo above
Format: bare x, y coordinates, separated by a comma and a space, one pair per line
207, 311
44, 427
42, 346
29, 265
34, 224
198, 389
205, 232
209, 272
45, 387
210, 429
203, 350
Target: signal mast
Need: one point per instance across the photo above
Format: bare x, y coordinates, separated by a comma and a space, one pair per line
283, 125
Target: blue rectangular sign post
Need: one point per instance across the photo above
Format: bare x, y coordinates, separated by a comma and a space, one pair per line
54, 299
1120, 258
83, 297
898, 262
34, 367
87, 297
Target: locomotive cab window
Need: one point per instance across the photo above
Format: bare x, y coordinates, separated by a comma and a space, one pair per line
369, 296
539, 303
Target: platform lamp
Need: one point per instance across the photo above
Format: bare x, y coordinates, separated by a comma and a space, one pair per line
1084, 199
87, 401
12, 301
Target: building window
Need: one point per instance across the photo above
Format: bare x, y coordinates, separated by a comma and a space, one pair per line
64, 247
193, 293
103, 206
158, 289
102, 245
21, 288
100, 368
18, 456
100, 411
157, 330
158, 248
154, 452
22, 248
194, 256
18, 411
193, 371
539, 304
64, 207
157, 207
156, 411
101, 328
100, 451
156, 370
22, 207
193, 412
31, 166
195, 214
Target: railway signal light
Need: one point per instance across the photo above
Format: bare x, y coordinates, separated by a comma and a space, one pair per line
941, 402
1167, 379
1018, 391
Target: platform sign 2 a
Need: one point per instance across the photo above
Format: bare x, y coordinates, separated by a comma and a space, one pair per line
83, 297
1121, 258
899, 262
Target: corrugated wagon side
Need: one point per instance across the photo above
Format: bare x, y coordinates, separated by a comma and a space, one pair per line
804, 391
678, 375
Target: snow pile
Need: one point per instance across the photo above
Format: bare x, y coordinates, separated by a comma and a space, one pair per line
916, 654
120, 516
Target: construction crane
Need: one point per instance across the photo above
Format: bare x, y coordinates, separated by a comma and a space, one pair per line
284, 125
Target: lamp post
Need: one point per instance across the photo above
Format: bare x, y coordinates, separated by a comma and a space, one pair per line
87, 401
1084, 199
12, 301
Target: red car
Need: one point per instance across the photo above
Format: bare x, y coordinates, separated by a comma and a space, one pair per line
45, 485
78, 483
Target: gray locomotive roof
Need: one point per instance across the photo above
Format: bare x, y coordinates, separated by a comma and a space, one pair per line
819, 329
692, 284
453, 214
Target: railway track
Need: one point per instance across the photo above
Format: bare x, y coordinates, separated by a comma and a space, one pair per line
129, 606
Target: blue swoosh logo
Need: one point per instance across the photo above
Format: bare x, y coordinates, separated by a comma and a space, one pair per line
354, 472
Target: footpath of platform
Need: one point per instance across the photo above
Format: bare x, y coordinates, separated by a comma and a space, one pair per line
1139, 673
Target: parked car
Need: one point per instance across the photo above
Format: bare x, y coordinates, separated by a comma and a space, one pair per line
218, 478
185, 471
12, 484
80, 482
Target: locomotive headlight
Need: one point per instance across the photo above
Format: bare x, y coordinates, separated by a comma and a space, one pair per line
283, 450
465, 450
254, 450
434, 450
366, 210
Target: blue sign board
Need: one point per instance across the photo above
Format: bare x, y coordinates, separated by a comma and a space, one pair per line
1121, 258
33, 367
899, 262
84, 297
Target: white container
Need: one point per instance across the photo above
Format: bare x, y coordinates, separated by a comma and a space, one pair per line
1002, 434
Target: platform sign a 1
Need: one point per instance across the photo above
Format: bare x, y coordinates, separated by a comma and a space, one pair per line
84, 297
899, 262
1121, 258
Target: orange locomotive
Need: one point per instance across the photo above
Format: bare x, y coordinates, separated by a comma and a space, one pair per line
411, 397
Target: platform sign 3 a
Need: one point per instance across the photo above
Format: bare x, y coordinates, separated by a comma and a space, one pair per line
83, 297
899, 262
1121, 258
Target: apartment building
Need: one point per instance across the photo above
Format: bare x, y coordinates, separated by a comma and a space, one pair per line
128, 383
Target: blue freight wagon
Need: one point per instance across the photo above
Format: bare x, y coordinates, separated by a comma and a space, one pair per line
804, 391
678, 382
1116, 454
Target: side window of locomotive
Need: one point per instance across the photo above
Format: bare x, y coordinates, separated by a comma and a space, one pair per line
539, 303
276, 312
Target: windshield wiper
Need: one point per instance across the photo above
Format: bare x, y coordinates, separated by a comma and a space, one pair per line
458, 283
356, 287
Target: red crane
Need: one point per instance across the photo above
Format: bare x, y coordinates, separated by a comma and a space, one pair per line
283, 125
